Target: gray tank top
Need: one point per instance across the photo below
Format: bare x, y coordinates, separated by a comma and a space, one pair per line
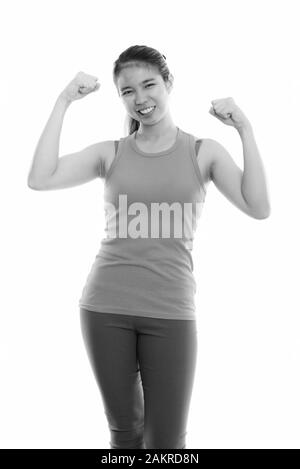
152, 204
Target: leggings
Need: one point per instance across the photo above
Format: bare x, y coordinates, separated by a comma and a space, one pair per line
144, 368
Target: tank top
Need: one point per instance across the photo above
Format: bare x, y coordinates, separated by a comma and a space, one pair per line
152, 204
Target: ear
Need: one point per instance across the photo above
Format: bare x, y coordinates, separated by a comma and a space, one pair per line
170, 83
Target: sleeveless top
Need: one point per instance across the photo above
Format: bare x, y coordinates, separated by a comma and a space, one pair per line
152, 204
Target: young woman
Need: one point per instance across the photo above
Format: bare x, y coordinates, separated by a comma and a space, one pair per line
137, 307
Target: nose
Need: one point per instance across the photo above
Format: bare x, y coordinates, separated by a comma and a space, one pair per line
139, 99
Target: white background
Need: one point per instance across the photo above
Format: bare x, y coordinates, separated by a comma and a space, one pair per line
246, 391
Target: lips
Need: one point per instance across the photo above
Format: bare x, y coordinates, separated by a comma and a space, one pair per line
147, 107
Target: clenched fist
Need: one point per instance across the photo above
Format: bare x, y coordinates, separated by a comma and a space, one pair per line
81, 85
228, 112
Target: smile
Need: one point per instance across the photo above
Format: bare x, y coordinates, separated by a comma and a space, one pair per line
146, 111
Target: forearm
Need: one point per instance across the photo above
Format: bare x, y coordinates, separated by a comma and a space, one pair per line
46, 155
254, 184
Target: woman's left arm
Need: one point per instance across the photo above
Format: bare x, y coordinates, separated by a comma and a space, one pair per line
253, 184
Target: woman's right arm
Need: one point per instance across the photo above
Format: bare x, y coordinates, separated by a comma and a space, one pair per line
45, 158
48, 171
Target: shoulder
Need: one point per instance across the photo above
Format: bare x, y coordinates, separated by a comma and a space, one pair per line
213, 147
213, 152
218, 153
207, 144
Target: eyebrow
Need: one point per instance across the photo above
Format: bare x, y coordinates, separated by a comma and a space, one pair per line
144, 81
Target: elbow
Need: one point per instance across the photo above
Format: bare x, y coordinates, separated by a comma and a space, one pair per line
260, 210
31, 185
262, 215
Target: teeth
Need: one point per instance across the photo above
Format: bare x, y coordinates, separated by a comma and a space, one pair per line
145, 111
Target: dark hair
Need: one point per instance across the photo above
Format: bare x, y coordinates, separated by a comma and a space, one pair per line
138, 54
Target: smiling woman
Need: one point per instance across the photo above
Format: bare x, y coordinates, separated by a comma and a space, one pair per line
137, 307
143, 80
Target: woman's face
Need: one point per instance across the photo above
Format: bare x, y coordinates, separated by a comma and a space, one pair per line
142, 87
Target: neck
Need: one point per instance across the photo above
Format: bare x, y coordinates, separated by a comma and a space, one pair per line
160, 131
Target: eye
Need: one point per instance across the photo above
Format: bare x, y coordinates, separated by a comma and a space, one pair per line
126, 92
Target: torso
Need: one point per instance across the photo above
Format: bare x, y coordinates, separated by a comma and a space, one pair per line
204, 157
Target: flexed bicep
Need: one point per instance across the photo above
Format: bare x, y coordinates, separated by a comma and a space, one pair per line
227, 176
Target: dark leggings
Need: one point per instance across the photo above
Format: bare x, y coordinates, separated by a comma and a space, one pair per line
144, 368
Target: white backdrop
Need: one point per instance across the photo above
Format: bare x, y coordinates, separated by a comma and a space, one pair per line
246, 391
